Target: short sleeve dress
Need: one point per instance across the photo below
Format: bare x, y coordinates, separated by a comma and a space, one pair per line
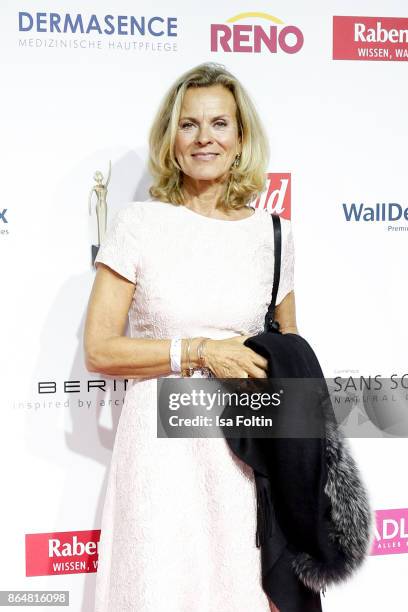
179, 518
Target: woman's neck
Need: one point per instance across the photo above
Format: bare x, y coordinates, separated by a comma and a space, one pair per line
202, 196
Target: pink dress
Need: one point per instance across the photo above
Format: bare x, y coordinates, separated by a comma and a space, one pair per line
179, 519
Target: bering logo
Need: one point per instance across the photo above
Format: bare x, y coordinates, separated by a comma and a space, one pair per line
248, 38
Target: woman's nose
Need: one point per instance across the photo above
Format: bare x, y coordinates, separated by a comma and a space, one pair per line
203, 135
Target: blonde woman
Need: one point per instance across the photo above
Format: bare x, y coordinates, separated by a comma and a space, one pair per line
193, 262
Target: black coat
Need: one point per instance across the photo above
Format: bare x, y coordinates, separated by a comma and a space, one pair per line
314, 521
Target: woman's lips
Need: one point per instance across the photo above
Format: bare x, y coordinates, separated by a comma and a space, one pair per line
205, 156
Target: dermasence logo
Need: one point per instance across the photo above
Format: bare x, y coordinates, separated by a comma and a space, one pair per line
125, 25
237, 37
80, 30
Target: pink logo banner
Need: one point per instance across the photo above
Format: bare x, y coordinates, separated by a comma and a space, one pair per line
391, 532
370, 38
64, 552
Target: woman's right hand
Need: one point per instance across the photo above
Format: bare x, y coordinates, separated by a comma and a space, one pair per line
229, 358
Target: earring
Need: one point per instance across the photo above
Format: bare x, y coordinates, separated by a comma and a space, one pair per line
236, 160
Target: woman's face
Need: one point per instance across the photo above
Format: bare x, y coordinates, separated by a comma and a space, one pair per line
207, 138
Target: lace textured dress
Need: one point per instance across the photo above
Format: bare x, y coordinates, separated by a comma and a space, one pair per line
179, 518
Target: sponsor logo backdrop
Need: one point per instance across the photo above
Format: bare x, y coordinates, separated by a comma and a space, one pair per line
81, 85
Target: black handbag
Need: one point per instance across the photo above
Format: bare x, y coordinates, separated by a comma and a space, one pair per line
315, 525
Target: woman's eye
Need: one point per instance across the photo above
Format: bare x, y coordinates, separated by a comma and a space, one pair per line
188, 124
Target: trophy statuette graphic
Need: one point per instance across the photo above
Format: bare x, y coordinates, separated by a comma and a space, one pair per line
101, 190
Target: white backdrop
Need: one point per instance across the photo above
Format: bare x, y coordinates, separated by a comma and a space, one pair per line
338, 127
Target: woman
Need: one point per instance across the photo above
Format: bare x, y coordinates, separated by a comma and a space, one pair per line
193, 262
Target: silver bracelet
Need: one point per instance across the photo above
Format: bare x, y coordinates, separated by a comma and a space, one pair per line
189, 367
175, 355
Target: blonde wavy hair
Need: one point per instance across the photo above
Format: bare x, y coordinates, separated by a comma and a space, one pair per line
246, 180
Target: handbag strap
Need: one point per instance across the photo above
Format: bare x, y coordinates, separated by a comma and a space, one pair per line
270, 324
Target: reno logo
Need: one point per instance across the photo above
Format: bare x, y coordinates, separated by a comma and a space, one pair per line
277, 196
272, 36
370, 38
391, 532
